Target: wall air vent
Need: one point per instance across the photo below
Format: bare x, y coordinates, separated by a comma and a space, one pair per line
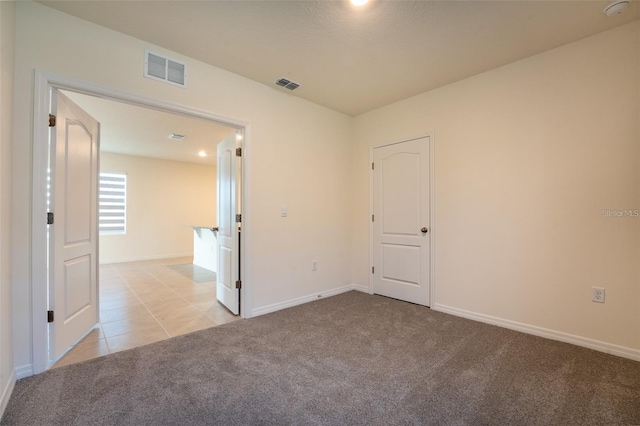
158, 67
287, 84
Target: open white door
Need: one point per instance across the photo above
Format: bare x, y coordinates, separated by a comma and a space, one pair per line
227, 291
73, 240
401, 238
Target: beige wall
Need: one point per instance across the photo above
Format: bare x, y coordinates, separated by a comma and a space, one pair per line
297, 154
7, 32
526, 158
164, 198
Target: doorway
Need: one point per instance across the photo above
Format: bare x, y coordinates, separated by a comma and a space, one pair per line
45, 84
157, 173
401, 220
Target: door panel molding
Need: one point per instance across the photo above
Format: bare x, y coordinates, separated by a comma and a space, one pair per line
73, 241
44, 83
432, 209
227, 242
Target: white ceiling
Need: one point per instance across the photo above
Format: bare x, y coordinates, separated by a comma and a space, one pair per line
143, 132
354, 60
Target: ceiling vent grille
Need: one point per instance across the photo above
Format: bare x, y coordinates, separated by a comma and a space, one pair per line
158, 67
287, 84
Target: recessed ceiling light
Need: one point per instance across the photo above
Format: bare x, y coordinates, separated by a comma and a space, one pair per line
176, 137
359, 3
238, 136
202, 153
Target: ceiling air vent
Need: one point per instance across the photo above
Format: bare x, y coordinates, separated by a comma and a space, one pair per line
287, 84
161, 68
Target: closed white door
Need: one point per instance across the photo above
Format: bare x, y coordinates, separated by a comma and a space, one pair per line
74, 234
401, 238
227, 242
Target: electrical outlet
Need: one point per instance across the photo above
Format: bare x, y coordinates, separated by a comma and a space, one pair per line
314, 266
597, 294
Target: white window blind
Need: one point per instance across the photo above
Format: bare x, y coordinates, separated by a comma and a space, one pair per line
112, 217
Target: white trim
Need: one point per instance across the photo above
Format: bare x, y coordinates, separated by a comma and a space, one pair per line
368, 217
597, 345
44, 83
246, 299
432, 202
39, 302
143, 258
432, 218
24, 371
306, 299
6, 392
362, 288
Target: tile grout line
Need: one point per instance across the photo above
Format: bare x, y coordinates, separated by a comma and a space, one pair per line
190, 304
106, 342
143, 304
118, 275
160, 280
146, 271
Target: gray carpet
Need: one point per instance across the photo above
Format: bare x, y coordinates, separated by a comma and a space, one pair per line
346, 360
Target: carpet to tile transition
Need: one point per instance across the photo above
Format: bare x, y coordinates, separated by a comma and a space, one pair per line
349, 359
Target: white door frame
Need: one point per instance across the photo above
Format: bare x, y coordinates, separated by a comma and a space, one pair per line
44, 83
432, 209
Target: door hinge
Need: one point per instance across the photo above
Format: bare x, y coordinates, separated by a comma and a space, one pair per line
373, 269
238, 218
372, 218
52, 120
238, 152
49, 218
49, 316
372, 166
238, 284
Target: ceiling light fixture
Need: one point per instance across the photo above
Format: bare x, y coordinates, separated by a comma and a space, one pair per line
616, 7
359, 3
238, 135
176, 137
202, 153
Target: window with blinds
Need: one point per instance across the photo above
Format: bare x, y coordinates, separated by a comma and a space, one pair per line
112, 218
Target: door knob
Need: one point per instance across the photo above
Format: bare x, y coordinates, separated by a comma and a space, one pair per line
424, 230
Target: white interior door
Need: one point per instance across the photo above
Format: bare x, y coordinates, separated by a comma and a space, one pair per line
227, 242
401, 238
74, 234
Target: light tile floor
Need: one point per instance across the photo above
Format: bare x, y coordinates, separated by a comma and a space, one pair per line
145, 302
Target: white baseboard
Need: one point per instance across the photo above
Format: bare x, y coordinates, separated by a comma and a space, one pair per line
597, 345
6, 392
304, 299
24, 371
143, 258
362, 288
